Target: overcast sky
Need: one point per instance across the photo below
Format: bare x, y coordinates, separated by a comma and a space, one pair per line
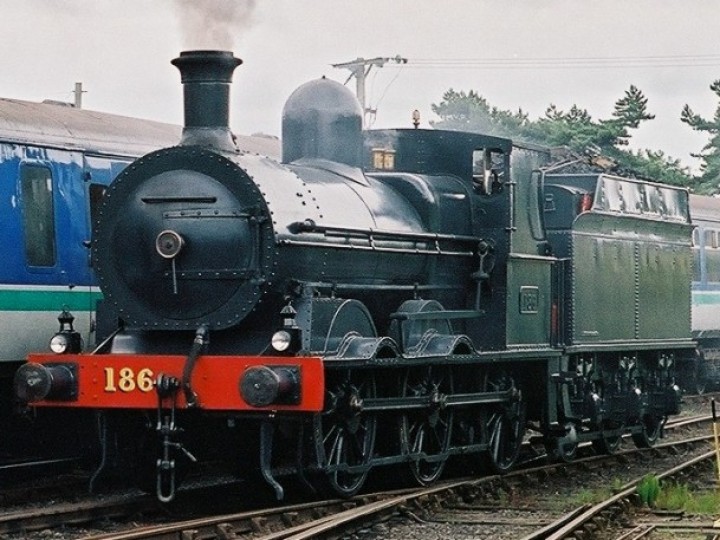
543, 51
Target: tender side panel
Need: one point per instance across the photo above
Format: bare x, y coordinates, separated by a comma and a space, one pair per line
631, 259
664, 269
603, 285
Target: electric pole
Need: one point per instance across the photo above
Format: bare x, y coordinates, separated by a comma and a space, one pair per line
360, 68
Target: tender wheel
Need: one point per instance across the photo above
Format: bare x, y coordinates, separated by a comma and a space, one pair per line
651, 431
344, 435
426, 433
607, 443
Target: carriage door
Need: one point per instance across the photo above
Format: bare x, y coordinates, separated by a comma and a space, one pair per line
37, 289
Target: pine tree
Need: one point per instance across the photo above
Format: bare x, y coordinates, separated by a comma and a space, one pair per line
471, 112
709, 180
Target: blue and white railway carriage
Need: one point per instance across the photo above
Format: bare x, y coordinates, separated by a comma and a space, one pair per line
705, 213
55, 162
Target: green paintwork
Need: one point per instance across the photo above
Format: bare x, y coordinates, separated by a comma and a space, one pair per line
706, 298
529, 302
44, 300
636, 273
529, 273
629, 260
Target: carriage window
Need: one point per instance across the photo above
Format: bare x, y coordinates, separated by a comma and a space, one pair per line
710, 239
38, 215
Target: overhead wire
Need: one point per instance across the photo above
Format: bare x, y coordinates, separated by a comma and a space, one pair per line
388, 85
376, 105
567, 62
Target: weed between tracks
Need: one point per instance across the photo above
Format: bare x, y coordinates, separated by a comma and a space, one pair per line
692, 501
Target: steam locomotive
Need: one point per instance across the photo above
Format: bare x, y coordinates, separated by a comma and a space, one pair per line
382, 298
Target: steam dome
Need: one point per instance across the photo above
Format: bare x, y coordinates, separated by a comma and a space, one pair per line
322, 120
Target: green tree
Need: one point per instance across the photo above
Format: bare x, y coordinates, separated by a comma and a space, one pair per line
577, 129
629, 112
657, 166
574, 129
709, 180
470, 111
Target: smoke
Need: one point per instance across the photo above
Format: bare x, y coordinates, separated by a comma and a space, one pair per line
213, 24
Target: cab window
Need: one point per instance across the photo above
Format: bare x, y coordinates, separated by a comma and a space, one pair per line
487, 167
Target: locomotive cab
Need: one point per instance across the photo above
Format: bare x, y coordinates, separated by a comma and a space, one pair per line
512, 264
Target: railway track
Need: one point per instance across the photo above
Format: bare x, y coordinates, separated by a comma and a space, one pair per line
585, 521
335, 518
13, 469
691, 401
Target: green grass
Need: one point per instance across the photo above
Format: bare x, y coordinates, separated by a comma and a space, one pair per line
649, 489
681, 497
587, 496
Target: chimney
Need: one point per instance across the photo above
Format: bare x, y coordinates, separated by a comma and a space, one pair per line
206, 77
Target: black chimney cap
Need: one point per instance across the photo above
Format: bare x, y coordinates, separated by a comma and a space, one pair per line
206, 66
